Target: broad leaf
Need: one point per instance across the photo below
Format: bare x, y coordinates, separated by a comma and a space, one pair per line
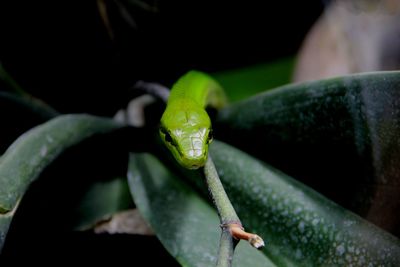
300, 226
33, 151
340, 136
186, 225
28, 103
101, 201
19, 113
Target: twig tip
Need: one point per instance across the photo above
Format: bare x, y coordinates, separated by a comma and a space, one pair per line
238, 233
256, 241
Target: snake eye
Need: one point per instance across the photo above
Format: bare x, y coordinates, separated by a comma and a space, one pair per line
210, 136
167, 137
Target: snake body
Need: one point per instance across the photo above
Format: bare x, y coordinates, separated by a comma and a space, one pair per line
185, 125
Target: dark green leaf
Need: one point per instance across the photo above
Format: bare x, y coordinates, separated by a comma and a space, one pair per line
186, 225
22, 98
344, 129
101, 201
33, 151
19, 113
300, 226
29, 104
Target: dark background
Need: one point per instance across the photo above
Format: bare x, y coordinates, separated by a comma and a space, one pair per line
61, 52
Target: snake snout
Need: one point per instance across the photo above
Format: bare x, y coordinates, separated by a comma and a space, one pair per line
195, 166
195, 159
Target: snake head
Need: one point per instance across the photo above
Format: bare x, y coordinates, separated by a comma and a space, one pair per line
188, 137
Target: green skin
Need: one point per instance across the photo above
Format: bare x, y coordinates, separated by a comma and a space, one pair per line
185, 125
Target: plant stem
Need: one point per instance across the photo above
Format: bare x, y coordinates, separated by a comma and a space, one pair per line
232, 230
226, 212
221, 201
226, 248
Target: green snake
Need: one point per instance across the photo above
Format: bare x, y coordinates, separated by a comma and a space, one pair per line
185, 125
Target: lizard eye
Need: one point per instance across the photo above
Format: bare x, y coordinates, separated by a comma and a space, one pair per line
210, 136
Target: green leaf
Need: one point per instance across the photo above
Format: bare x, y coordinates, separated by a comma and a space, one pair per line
300, 226
23, 98
101, 201
343, 129
28, 104
33, 151
19, 113
245, 82
5, 221
186, 225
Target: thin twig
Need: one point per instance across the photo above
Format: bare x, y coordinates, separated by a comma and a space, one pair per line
232, 229
221, 201
226, 248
